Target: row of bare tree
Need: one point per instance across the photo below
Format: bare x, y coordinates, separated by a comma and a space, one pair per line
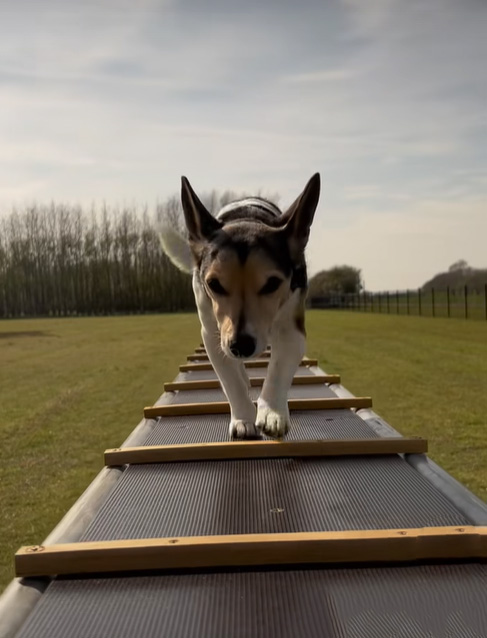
62, 260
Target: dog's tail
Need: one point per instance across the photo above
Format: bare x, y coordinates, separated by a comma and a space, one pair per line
176, 248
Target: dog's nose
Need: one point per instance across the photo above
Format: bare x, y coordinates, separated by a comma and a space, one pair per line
243, 346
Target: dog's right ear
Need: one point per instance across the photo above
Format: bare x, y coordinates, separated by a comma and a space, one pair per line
200, 222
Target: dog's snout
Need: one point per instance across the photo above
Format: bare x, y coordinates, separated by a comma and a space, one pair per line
243, 346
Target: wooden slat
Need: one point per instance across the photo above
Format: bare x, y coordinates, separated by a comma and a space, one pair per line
223, 407
250, 363
202, 350
264, 449
204, 357
364, 546
213, 384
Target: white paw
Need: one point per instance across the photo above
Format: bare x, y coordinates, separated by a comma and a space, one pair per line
240, 429
272, 422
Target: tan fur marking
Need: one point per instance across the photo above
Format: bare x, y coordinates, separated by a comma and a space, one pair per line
243, 283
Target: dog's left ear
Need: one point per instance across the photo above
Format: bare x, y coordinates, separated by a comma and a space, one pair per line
200, 222
297, 220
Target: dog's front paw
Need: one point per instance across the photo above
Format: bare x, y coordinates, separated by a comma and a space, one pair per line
272, 422
240, 429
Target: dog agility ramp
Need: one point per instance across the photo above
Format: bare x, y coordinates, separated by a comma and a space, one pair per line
345, 530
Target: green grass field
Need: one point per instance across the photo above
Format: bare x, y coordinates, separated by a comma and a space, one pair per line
70, 388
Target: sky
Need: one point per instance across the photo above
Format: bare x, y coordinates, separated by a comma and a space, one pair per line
114, 100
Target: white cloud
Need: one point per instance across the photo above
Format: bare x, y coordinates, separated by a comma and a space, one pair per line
371, 16
327, 75
116, 100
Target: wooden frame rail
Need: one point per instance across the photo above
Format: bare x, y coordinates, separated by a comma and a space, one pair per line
223, 407
250, 363
263, 450
214, 384
362, 546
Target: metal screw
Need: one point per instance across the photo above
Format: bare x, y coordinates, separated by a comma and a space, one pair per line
35, 548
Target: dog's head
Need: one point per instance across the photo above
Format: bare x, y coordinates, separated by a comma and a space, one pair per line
249, 263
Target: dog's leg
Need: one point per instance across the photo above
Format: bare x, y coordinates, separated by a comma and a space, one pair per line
236, 387
288, 344
231, 372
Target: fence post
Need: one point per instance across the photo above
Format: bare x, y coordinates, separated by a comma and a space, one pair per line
485, 296
466, 301
448, 299
397, 302
388, 309
433, 301
380, 305
419, 301
407, 300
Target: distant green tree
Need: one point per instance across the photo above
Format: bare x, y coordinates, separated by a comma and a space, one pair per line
336, 280
459, 265
459, 275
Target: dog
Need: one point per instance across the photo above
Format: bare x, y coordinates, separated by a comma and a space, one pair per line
250, 284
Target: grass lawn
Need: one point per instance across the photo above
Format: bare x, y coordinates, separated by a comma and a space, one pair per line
426, 376
69, 388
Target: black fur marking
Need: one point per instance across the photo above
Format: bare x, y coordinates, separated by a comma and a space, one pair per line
300, 313
299, 278
242, 249
299, 320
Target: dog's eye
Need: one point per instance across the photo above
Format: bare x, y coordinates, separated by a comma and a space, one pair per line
271, 285
215, 286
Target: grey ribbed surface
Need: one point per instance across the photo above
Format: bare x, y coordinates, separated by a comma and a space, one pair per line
295, 392
407, 602
269, 495
312, 424
251, 372
279, 495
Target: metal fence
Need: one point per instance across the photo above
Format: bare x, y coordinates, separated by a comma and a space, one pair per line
462, 303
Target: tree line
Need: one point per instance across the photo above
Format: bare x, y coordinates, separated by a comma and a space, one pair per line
63, 260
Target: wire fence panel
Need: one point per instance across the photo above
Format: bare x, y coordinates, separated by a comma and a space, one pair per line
459, 303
